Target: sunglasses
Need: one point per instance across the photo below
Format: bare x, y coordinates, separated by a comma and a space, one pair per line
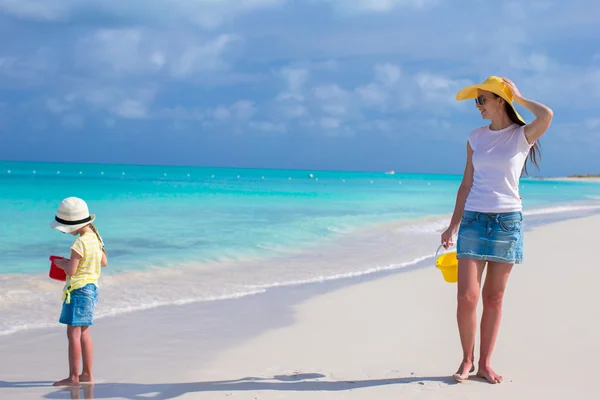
480, 100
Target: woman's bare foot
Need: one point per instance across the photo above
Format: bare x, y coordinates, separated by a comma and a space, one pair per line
489, 374
70, 381
465, 368
85, 378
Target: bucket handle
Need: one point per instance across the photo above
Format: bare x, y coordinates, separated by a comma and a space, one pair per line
436, 253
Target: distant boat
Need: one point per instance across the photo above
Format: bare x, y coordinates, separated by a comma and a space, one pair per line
390, 172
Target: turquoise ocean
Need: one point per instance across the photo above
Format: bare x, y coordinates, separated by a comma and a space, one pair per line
176, 235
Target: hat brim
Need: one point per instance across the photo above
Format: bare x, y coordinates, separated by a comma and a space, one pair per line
70, 228
470, 92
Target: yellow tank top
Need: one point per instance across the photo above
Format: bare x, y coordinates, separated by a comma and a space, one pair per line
90, 249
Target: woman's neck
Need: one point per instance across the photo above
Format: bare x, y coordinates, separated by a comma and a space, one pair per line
500, 123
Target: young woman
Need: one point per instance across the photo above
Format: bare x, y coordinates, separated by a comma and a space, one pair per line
487, 214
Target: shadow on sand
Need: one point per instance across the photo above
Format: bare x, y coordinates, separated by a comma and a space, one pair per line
160, 391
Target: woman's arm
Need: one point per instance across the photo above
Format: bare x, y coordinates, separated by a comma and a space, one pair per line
461, 199
543, 114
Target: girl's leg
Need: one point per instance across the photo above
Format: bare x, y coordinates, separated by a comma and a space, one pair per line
74, 336
493, 292
469, 284
87, 351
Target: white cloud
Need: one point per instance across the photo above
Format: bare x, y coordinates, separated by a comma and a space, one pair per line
535, 62
57, 106
145, 45
353, 7
515, 10
124, 102
332, 100
267, 126
437, 89
72, 121
40, 10
157, 58
136, 51
295, 79
378, 125
26, 70
117, 49
243, 109
329, 65
379, 92
592, 123
202, 56
330, 123
240, 110
181, 113
562, 86
207, 14
133, 109
330, 92
372, 93
294, 111
387, 74
390, 91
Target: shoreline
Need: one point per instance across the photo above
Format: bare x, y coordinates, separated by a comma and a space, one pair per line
369, 258
304, 341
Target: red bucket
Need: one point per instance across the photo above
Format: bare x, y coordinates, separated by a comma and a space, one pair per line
55, 272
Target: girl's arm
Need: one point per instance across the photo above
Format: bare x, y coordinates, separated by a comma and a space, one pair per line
73, 263
104, 261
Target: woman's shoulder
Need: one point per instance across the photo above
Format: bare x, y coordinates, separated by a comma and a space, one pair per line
477, 131
480, 129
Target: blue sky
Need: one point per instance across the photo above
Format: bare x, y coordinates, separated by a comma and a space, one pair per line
317, 84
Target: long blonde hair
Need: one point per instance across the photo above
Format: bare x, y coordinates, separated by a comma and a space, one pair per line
93, 228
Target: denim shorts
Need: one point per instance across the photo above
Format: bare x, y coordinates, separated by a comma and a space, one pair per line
80, 311
492, 237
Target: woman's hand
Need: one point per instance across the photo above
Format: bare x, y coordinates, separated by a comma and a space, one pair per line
447, 236
513, 88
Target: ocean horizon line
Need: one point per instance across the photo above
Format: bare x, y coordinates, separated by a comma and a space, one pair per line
225, 167
271, 168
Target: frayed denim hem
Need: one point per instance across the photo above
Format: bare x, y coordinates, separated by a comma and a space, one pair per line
489, 258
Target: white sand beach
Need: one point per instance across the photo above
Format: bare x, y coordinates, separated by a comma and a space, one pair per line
386, 338
574, 179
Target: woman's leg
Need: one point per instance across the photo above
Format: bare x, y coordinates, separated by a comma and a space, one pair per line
469, 286
493, 292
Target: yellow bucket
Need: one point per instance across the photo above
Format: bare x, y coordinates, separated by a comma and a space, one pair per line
448, 264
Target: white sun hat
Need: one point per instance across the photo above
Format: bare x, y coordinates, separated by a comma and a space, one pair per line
72, 214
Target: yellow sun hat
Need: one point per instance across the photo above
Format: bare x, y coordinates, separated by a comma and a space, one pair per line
492, 84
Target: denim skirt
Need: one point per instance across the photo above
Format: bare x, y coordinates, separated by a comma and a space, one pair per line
80, 311
491, 237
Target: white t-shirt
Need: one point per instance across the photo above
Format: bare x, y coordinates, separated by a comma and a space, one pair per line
498, 158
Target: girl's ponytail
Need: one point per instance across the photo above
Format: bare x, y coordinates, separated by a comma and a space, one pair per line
93, 228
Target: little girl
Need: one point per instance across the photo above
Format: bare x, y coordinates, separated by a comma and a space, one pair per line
80, 294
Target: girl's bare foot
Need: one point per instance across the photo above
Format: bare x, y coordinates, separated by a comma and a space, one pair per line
489, 374
70, 381
465, 368
85, 378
